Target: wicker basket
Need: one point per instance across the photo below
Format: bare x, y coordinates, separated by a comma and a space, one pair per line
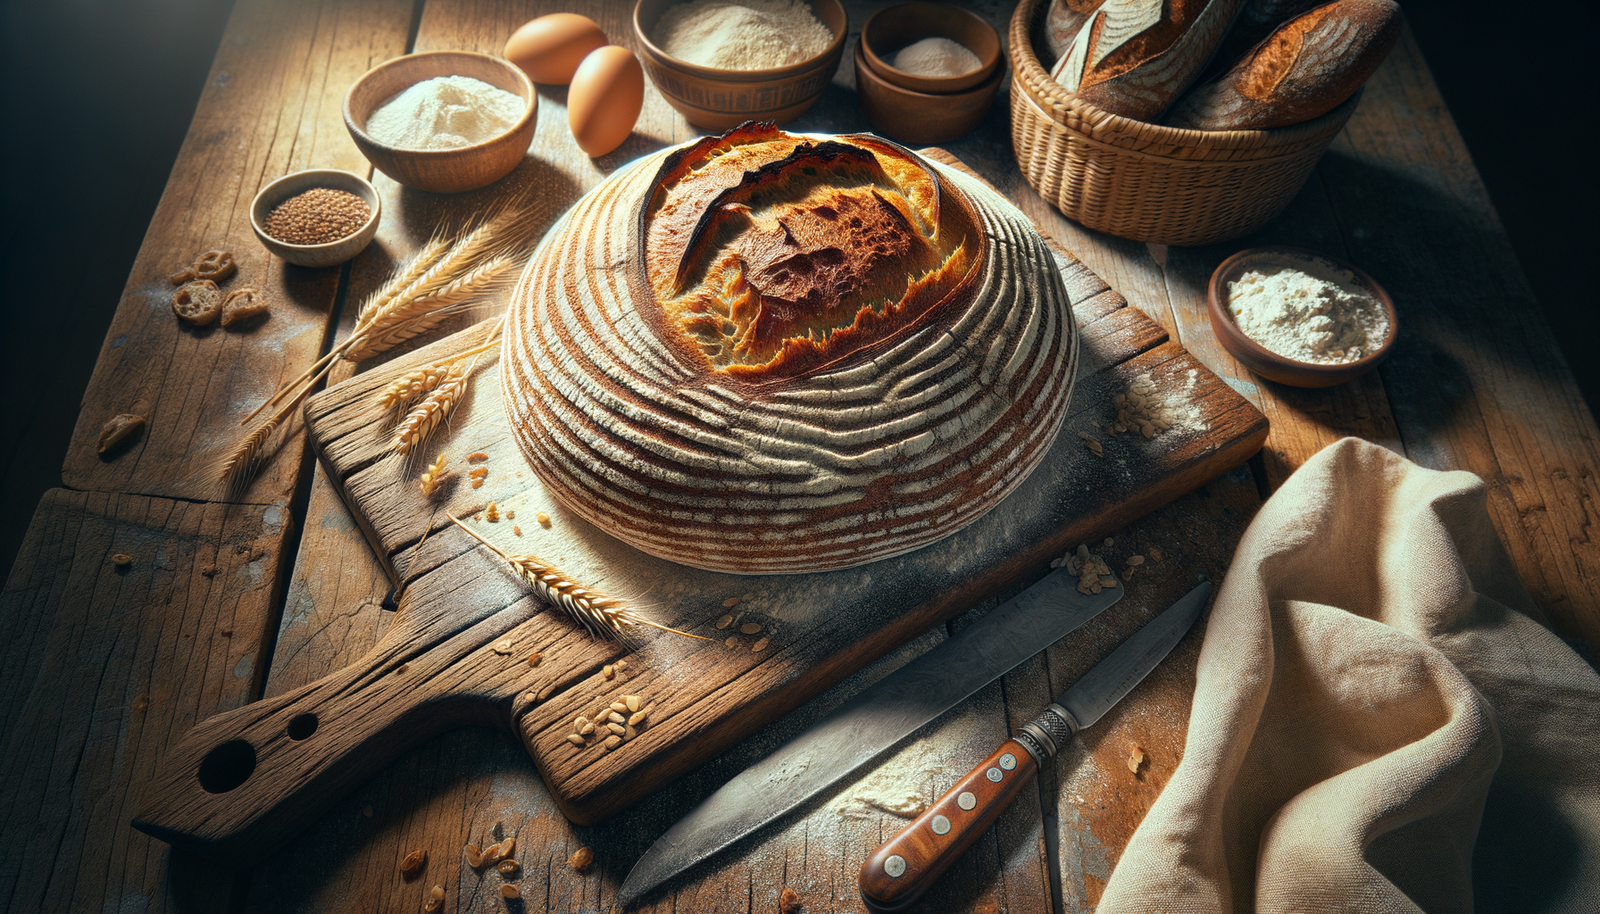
1144, 181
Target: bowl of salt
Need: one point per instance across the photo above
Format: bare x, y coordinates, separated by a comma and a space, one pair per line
927, 72
1300, 318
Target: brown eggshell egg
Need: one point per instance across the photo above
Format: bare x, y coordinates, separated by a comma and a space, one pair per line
550, 48
604, 101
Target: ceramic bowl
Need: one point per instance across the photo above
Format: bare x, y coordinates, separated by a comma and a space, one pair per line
315, 255
1267, 363
715, 99
887, 31
445, 171
920, 118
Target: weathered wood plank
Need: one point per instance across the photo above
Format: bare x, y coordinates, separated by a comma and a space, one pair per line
1477, 380
271, 105
103, 666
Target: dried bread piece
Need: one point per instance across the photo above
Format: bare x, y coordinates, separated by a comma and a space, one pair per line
216, 266
1133, 57
198, 302
242, 304
798, 353
117, 429
1305, 69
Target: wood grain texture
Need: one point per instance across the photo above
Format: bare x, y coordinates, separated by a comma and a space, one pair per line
810, 642
271, 105
102, 665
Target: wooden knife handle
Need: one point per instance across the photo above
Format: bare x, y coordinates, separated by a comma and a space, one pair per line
902, 869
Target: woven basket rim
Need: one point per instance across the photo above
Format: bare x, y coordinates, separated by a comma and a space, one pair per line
1049, 96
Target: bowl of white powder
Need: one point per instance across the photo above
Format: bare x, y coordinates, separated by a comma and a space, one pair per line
723, 62
443, 121
1299, 317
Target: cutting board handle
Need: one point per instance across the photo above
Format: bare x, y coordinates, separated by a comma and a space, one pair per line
241, 783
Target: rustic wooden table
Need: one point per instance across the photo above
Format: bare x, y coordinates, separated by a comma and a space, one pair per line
102, 668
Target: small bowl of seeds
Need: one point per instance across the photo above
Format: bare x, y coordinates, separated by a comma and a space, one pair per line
316, 218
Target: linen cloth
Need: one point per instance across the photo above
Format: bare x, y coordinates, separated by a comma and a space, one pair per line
1380, 721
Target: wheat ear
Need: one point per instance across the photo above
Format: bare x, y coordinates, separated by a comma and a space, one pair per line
599, 614
399, 282
408, 318
235, 469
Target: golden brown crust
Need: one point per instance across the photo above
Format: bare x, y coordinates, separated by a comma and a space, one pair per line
1304, 69
785, 253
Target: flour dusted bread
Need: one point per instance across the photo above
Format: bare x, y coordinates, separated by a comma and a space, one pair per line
1062, 22
1304, 69
767, 353
1133, 57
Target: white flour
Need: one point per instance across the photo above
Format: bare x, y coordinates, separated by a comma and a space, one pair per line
935, 57
1308, 310
445, 112
743, 35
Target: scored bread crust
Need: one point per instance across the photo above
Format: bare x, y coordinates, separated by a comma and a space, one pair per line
710, 360
1121, 68
1305, 68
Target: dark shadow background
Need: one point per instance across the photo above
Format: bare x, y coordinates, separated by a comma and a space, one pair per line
101, 93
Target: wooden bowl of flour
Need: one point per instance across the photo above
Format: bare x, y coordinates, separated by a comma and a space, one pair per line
716, 99
444, 171
1271, 365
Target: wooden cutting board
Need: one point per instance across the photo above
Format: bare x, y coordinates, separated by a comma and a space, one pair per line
459, 650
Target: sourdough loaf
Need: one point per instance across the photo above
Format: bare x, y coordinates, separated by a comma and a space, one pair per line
766, 353
1304, 69
1133, 57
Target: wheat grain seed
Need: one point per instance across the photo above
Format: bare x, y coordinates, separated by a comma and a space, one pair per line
535, 658
616, 728
509, 891
616, 717
632, 701
749, 628
122, 560
619, 705
578, 722
508, 868
724, 622
1135, 560
621, 665
760, 646
637, 718
474, 856
543, 519
575, 739
586, 729
580, 859
733, 641
730, 602
413, 863
503, 647
608, 671
613, 741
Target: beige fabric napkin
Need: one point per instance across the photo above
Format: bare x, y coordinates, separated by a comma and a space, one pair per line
1379, 723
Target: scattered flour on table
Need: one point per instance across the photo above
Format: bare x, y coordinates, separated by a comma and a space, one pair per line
743, 35
445, 112
1308, 310
936, 57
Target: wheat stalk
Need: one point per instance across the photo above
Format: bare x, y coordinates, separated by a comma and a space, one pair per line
418, 424
408, 317
599, 614
433, 477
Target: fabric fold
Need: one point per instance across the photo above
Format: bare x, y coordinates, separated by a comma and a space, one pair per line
1373, 679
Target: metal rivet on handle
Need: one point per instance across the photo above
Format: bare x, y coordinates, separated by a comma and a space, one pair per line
941, 825
895, 866
966, 800
993, 774
1008, 761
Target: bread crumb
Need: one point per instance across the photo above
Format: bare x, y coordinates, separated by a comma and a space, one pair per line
1135, 759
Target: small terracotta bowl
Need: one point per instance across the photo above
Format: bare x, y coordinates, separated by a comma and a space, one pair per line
315, 255
889, 30
444, 171
921, 118
1264, 361
715, 99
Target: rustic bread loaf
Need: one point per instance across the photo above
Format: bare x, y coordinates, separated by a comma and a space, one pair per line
1133, 57
1306, 68
1062, 22
1256, 20
768, 353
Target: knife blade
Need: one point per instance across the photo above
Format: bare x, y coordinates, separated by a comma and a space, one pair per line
899, 871
869, 724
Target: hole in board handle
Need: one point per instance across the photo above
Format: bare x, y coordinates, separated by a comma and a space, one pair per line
227, 766
302, 726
